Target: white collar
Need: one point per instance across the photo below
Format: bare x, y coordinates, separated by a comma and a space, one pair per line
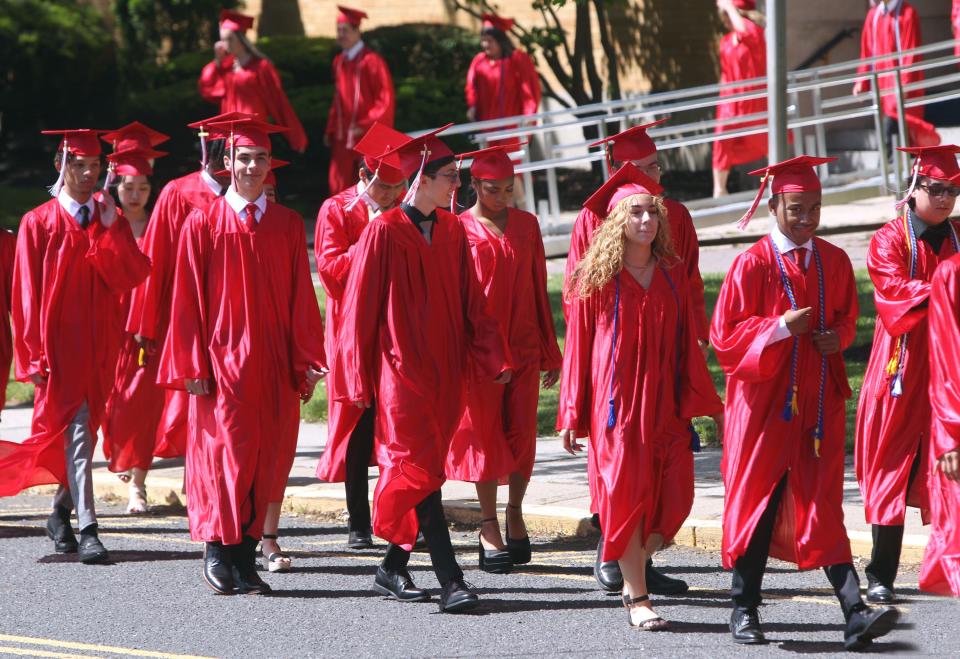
212, 183
239, 204
354, 50
784, 244
887, 6
72, 206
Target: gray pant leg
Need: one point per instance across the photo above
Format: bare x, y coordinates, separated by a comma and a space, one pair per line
62, 499
79, 447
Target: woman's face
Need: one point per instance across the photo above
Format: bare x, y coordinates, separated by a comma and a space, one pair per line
643, 220
234, 47
134, 191
490, 47
933, 200
494, 195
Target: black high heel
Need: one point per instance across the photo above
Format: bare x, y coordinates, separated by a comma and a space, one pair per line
494, 561
519, 550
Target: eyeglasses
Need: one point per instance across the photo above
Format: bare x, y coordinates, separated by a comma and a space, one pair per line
451, 177
940, 190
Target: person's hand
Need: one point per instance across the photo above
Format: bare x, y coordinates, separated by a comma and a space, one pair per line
220, 50
949, 465
569, 439
827, 343
362, 404
704, 348
859, 87
197, 387
504, 377
39, 379
798, 322
718, 420
108, 208
550, 378
471, 114
311, 378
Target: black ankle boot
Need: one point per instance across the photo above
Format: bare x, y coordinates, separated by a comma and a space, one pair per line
90, 548
217, 569
245, 576
60, 531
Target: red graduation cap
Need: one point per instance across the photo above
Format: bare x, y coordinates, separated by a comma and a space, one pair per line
349, 15
79, 142
415, 154
247, 131
235, 21
632, 144
134, 136
219, 118
275, 163
497, 22
626, 182
490, 164
793, 175
376, 141
133, 162
939, 162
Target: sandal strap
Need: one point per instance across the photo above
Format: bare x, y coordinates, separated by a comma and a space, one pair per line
489, 519
510, 505
278, 556
629, 601
269, 536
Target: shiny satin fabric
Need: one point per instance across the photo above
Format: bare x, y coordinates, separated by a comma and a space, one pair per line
743, 56
8, 250
890, 431
337, 231
65, 309
246, 317
412, 314
498, 432
637, 460
364, 94
506, 87
940, 572
253, 88
759, 446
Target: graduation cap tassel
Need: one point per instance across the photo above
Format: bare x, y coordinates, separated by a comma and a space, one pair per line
364, 195
56, 187
203, 148
233, 159
745, 220
611, 414
412, 192
913, 184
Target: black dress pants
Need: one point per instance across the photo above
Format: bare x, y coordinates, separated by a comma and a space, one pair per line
749, 568
359, 450
433, 525
887, 543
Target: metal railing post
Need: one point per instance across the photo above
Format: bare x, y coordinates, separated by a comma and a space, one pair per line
553, 194
602, 126
798, 146
777, 78
901, 120
819, 130
878, 126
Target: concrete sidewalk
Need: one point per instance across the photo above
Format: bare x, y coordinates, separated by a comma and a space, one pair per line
557, 501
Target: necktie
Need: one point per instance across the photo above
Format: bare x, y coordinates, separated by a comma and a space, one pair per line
251, 219
84, 216
800, 256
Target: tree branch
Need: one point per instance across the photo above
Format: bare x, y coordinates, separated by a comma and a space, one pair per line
613, 75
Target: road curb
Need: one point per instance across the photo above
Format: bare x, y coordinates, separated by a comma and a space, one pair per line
541, 520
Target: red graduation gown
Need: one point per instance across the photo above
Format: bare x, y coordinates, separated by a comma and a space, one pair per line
64, 306
246, 317
497, 434
412, 313
890, 431
759, 446
8, 248
338, 230
941, 562
743, 56
254, 88
364, 94
506, 87
151, 301
955, 21
643, 465
881, 34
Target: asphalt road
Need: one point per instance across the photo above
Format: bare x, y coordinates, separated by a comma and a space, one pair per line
150, 602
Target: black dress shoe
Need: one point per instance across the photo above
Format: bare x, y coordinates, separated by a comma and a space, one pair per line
745, 627
607, 573
218, 569
398, 585
60, 531
90, 549
456, 597
877, 593
244, 569
495, 561
868, 623
660, 584
360, 539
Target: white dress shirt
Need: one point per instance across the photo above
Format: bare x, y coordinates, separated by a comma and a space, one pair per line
72, 206
239, 204
212, 183
785, 245
352, 52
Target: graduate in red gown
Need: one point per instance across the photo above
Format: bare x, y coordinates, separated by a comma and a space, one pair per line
893, 26
340, 223
743, 56
75, 257
364, 94
941, 563
893, 415
246, 341
497, 438
787, 309
413, 313
633, 377
150, 303
8, 249
242, 79
635, 146
135, 405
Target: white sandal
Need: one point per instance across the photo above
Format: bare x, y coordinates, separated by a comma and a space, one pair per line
642, 617
138, 500
277, 561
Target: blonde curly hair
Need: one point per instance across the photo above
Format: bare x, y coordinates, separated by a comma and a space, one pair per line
604, 258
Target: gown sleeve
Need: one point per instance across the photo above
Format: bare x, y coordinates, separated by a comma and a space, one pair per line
945, 358
550, 357
698, 397
333, 248
529, 82
307, 349
29, 350
212, 83
575, 395
689, 250
470, 90
900, 300
279, 106
115, 256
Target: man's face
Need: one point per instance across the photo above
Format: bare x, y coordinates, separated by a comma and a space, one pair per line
81, 175
650, 166
250, 168
933, 200
347, 35
798, 214
384, 195
439, 188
